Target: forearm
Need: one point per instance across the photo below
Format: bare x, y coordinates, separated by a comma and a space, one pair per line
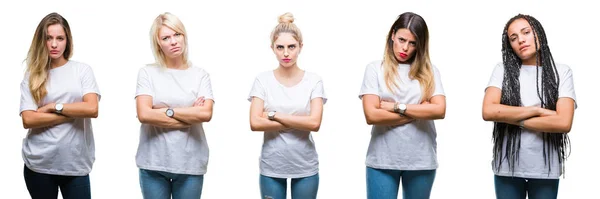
305, 123
384, 117
40, 120
548, 124
158, 118
508, 114
193, 115
258, 123
425, 111
81, 110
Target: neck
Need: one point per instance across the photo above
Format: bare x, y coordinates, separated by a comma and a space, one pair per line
531, 61
55, 63
288, 72
176, 63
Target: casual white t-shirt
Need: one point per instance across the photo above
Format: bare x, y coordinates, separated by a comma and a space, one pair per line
289, 153
67, 148
180, 151
405, 147
531, 162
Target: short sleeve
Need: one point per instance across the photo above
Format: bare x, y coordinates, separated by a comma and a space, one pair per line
27, 101
437, 78
497, 77
566, 87
88, 81
318, 91
370, 84
258, 90
205, 87
144, 85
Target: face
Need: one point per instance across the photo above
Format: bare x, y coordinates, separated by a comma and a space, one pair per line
286, 49
56, 41
522, 41
405, 45
171, 43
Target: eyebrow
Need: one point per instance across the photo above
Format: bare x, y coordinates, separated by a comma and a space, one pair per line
519, 31
400, 37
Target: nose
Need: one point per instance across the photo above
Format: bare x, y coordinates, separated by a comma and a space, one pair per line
54, 44
173, 41
286, 53
405, 46
521, 39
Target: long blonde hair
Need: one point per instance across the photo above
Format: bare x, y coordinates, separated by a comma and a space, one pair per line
171, 21
38, 58
421, 68
286, 25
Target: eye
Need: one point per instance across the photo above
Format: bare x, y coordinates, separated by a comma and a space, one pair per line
279, 47
402, 40
48, 38
292, 46
60, 38
178, 34
164, 38
412, 43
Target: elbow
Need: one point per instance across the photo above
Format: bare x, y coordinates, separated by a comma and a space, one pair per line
94, 112
486, 115
253, 125
441, 115
207, 117
26, 123
370, 119
315, 127
142, 118
566, 127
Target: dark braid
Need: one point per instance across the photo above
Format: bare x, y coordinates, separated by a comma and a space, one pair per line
547, 92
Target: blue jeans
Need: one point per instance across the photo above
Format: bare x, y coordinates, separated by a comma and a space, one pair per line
161, 185
384, 183
517, 188
45, 186
276, 188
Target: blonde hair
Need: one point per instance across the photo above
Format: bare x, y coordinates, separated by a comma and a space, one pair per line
171, 21
286, 25
421, 68
38, 58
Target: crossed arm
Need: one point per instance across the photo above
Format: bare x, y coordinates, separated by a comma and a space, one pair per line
200, 111
379, 112
260, 122
45, 116
533, 118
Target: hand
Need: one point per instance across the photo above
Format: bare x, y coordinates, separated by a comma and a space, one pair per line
546, 112
48, 108
199, 101
388, 106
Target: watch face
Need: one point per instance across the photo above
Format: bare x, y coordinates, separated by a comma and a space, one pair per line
402, 106
271, 114
170, 112
59, 107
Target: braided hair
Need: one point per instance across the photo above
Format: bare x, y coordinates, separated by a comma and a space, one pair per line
547, 92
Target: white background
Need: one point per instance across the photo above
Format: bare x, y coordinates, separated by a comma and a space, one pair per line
230, 39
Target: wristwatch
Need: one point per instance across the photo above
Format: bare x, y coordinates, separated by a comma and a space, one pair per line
271, 115
170, 112
58, 107
399, 108
522, 123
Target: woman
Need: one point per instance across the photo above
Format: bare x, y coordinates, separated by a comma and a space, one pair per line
287, 104
173, 99
401, 96
531, 101
58, 98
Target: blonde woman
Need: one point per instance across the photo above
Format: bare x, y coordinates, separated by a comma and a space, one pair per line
173, 99
287, 104
401, 96
58, 98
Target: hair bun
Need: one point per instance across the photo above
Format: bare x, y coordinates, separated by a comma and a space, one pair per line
286, 18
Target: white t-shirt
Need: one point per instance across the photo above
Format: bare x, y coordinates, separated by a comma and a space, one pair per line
531, 162
67, 148
180, 151
290, 153
406, 147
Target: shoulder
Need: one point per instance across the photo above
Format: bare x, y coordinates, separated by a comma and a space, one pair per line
78, 65
377, 64
199, 70
312, 76
562, 68
265, 75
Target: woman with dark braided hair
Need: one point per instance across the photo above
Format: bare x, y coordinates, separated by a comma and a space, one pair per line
531, 101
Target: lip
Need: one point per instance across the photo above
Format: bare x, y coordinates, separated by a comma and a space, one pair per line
54, 52
175, 49
287, 60
523, 47
403, 55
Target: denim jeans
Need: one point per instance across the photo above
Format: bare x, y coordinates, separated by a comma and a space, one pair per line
384, 183
163, 185
42, 186
276, 188
517, 188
